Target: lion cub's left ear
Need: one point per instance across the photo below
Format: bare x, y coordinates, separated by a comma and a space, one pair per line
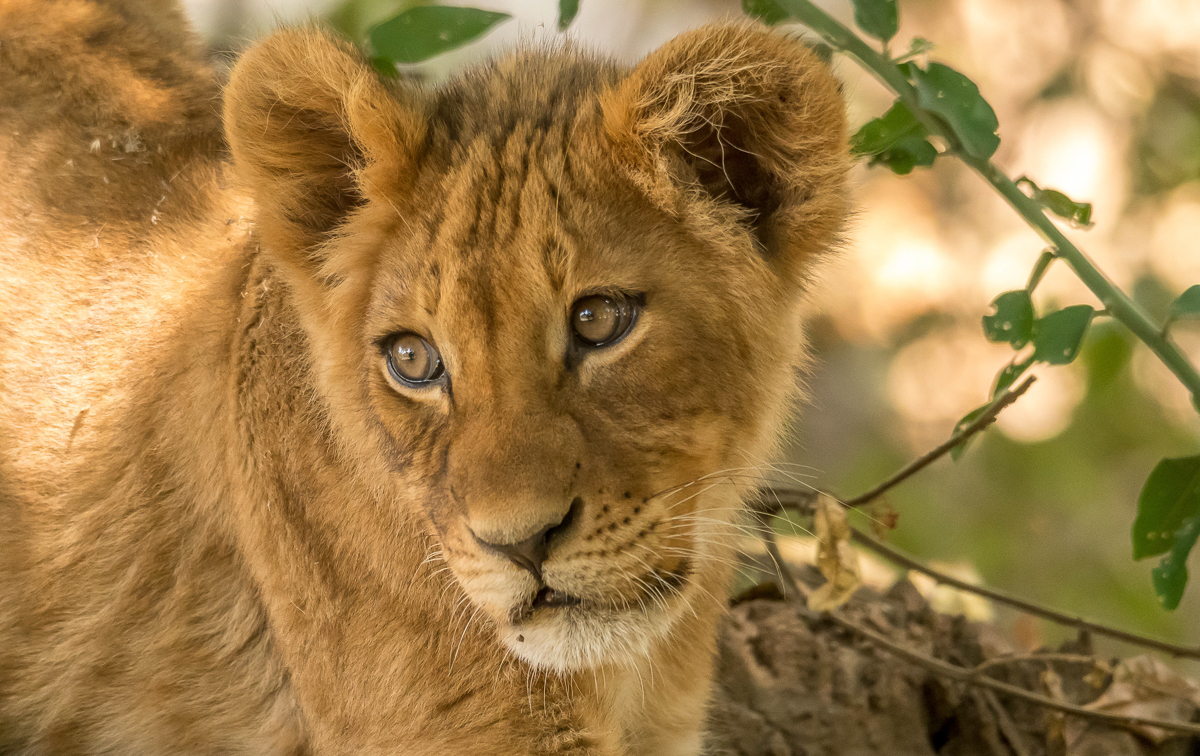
316, 133
747, 117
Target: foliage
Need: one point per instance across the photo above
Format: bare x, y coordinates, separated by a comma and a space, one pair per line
422, 32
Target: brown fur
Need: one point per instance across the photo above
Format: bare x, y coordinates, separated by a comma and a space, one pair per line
223, 529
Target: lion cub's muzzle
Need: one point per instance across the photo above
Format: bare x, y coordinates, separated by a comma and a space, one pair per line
585, 583
530, 553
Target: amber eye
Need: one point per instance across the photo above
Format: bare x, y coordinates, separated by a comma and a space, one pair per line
599, 320
413, 360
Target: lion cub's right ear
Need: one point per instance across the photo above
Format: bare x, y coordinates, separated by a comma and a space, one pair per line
316, 133
748, 117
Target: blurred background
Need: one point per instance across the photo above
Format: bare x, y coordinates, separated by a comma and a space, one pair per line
1097, 98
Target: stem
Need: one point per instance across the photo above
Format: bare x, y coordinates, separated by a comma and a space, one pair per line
1028, 607
1116, 301
1039, 270
912, 468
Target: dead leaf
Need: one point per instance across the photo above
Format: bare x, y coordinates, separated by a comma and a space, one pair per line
883, 517
1146, 687
1057, 727
1052, 682
1099, 674
836, 558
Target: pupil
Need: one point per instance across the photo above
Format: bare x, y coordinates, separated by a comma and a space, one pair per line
597, 319
412, 359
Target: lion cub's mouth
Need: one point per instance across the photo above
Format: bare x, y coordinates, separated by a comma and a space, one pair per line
548, 598
572, 626
657, 586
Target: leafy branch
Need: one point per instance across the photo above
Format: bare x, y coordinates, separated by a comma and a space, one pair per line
938, 101
957, 441
778, 501
974, 145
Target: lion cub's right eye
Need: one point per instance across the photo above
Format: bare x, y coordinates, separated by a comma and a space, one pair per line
413, 361
599, 320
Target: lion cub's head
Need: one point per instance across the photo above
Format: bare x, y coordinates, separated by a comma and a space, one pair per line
552, 306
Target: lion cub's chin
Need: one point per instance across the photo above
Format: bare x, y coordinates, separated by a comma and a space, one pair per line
574, 638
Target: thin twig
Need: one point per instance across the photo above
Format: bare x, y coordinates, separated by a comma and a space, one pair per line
801, 501
1015, 739
774, 501
1000, 661
920, 463
791, 587
988, 728
963, 675
1023, 605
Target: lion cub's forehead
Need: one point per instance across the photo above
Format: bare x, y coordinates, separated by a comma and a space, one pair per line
508, 206
547, 89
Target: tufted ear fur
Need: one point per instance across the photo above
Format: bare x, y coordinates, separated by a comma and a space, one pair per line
315, 133
750, 119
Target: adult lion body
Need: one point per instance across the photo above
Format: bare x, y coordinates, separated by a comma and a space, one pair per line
229, 525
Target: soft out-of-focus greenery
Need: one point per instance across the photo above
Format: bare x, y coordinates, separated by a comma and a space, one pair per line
1049, 520
949, 105
1100, 100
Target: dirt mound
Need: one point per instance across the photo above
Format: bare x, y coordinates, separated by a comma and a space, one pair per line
798, 683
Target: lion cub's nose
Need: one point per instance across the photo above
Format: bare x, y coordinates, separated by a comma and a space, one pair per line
531, 552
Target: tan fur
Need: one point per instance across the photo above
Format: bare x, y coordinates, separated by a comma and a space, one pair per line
223, 529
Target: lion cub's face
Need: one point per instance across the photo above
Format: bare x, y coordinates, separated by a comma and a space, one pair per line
566, 374
569, 295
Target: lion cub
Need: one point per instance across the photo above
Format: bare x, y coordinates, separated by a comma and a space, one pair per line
373, 419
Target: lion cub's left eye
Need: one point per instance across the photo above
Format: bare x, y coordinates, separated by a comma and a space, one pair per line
599, 320
413, 361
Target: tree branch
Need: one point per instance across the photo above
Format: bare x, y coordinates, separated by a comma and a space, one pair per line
1023, 605
920, 463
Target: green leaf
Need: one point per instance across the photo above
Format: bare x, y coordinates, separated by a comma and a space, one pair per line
907, 154
878, 134
1171, 496
1171, 575
767, 11
895, 139
1187, 305
1057, 337
1012, 322
385, 66
954, 97
567, 10
1078, 213
420, 33
1008, 376
917, 47
966, 420
879, 18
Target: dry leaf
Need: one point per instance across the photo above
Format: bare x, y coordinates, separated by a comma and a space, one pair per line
950, 600
1099, 674
883, 517
1146, 687
1052, 682
836, 558
1057, 726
